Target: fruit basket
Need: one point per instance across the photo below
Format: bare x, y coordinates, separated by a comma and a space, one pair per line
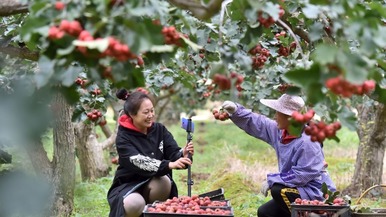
197, 205
154, 211
372, 212
320, 210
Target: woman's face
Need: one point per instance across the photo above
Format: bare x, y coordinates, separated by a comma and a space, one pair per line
282, 120
145, 116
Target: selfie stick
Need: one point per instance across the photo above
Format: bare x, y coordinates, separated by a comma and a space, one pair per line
189, 130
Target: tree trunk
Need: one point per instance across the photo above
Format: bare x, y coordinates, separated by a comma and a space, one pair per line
63, 161
90, 153
10, 7
371, 151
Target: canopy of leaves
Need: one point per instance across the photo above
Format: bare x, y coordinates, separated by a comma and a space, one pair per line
166, 45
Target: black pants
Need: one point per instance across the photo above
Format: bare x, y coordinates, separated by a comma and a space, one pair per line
279, 206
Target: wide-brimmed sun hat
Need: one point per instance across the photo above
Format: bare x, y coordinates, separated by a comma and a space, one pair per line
286, 104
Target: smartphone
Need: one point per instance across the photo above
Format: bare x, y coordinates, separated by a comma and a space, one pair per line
187, 124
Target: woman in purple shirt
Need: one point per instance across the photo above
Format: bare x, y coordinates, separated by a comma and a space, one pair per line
302, 170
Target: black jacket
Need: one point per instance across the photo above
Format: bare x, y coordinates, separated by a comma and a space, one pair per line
141, 157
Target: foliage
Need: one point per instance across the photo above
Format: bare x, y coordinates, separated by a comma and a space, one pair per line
160, 46
329, 195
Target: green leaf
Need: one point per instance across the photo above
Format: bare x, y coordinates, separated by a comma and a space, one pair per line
324, 54
311, 11
193, 45
71, 94
379, 94
100, 99
382, 63
379, 37
347, 118
272, 9
217, 68
78, 114
69, 75
316, 31
255, 4
136, 78
324, 188
143, 35
295, 128
237, 8
46, 70
378, 7
303, 77
314, 93
320, 2
30, 26
251, 36
356, 71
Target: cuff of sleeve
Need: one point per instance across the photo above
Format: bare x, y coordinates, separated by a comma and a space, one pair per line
164, 168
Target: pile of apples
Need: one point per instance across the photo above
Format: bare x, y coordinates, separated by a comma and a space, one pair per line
338, 201
322, 211
191, 205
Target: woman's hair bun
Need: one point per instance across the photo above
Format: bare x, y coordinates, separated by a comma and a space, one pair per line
122, 94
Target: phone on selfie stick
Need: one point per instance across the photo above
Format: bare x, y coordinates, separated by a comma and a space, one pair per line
188, 125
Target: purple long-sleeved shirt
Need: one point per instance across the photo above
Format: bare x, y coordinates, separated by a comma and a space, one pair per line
301, 162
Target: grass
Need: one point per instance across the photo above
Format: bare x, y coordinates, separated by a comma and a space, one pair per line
90, 198
226, 157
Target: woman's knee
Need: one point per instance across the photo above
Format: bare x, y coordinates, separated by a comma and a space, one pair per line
160, 183
264, 210
276, 190
159, 188
134, 204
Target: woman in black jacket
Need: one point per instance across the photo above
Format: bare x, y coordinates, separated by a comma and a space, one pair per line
147, 155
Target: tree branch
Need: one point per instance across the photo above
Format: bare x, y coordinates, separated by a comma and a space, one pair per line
298, 31
198, 9
109, 141
39, 158
20, 52
106, 130
11, 7
282, 23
